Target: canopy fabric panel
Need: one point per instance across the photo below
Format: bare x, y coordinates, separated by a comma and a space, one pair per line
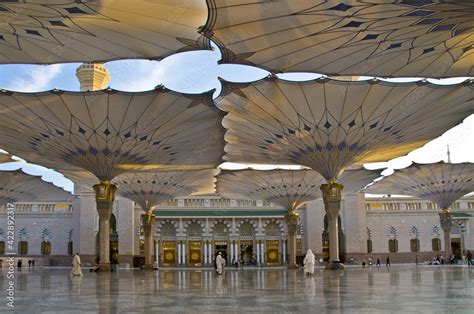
62, 31
328, 125
377, 38
149, 189
287, 188
441, 183
18, 186
110, 132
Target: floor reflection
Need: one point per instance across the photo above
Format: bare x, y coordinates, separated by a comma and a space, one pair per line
399, 288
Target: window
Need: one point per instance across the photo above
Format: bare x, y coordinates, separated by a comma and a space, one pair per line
369, 246
393, 245
2, 247
45, 247
70, 248
436, 244
415, 245
23, 247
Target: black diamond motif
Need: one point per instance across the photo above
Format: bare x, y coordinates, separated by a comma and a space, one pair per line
341, 7
127, 135
33, 32
143, 138
74, 10
57, 23
327, 125
82, 131
353, 24
291, 131
427, 50
392, 46
373, 125
352, 123
370, 36
307, 128
107, 132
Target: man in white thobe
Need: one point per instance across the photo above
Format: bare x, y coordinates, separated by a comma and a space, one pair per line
220, 263
76, 266
308, 262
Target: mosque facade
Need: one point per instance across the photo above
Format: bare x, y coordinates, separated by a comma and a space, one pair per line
190, 231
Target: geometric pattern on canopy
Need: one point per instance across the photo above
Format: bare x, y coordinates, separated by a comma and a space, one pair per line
18, 186
97, 30
149, 189
287, 188
328, 125
441, 183
391, 38
109, 132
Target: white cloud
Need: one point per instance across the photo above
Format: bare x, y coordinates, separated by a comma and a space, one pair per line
38, 79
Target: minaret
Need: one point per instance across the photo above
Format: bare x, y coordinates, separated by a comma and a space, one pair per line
92, 76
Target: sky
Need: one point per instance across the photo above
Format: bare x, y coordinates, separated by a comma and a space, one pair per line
196, 72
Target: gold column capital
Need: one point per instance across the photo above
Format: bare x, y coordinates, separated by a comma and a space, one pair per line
292, 221
332, 191
446, 220
104, 194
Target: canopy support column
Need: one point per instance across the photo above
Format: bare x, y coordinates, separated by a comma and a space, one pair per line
104, 197
147, 222
332, 206
446, 221
292, 220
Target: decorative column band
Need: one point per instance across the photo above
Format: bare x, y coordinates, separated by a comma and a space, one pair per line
292, 221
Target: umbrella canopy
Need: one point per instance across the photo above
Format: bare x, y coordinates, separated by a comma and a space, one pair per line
97, 31
287, 188
18, 186
378, 38
328, 125
111, 132
149, 189
441, 183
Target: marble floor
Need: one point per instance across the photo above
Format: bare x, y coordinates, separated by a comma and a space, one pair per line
402, 289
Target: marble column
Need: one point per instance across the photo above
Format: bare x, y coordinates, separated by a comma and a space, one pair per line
104, 197
446, 221
283, 247
157, 254
147, 222
258, 252
292, 220
332, 205
179, 253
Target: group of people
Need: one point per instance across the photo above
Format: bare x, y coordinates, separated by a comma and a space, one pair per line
378, 262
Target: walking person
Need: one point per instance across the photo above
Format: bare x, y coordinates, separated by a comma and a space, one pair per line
309, 262
469, 258
76, 266
220, 263
387, 262
378, 262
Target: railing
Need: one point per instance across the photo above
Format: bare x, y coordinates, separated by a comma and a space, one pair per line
397, 204
215, 203
40, 207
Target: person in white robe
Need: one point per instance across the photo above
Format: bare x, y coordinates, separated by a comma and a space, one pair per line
220, 263
308, 262
76, 266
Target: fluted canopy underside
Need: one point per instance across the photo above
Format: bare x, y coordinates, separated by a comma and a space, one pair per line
110, 132
4, 158
149, 189
377, 38
17, 186
328, 125
440, 183
98, 30
287, 188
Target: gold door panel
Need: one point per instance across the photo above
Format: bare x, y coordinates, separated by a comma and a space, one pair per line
273, 252
169, 253
195, 253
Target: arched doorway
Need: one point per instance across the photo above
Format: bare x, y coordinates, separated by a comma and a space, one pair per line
342, 241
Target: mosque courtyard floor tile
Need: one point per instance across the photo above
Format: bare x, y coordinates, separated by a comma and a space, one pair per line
400, 289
